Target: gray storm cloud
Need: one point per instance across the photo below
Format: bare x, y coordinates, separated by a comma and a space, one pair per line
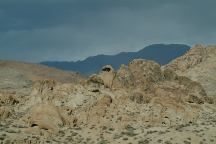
38, 30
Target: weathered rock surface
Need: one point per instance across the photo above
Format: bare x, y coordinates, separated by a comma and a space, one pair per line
8, 98
199, 64
4, 112
45, 116
139, 73
105, 77
140, 100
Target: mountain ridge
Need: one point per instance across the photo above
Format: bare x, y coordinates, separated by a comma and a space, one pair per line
161, 53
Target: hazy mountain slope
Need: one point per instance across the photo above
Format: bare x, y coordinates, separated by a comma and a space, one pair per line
160, 53
19, 74
199, 64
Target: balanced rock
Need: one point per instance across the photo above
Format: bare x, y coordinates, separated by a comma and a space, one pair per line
105, 77
107, 74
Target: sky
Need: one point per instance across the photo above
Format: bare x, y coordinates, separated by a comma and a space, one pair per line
70, 30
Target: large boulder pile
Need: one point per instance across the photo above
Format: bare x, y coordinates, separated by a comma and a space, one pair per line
147, 76
139, 73
172, 99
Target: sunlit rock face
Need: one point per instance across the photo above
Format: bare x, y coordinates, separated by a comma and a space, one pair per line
198, 64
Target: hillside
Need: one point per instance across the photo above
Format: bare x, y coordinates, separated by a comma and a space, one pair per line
160, 53
141, 102
19, 74
199, 64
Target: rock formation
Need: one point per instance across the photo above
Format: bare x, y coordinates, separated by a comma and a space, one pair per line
198, 64
139, 100
45, 116
105, 77
139, 73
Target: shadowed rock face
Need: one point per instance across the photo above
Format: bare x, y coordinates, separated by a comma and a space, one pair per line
139, 97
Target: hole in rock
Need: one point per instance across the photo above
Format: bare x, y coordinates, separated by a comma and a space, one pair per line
33, 125
106, 69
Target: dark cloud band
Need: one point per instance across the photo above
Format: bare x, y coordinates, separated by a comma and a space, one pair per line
36, 30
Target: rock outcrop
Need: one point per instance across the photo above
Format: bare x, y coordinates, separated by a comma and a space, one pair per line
140, 99
107, 74
139, 73
43, 86
198, 64
105, 77
195, 56
45, 116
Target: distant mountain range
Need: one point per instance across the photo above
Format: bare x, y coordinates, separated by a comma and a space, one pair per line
161, 53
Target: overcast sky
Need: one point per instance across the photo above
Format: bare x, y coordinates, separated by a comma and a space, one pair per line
41, 30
